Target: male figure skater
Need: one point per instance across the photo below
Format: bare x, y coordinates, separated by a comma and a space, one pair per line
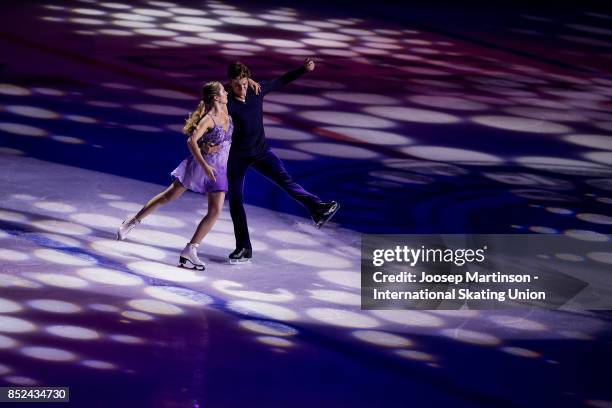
249, 149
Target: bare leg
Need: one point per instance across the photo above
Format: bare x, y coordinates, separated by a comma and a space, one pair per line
215, 205
175, 190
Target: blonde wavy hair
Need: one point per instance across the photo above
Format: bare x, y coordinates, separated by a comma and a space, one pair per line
209, 91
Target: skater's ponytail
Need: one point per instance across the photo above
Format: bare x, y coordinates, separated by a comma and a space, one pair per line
209, 91
194, 118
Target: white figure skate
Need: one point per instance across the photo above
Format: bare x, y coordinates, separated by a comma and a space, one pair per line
126, 227
189, 258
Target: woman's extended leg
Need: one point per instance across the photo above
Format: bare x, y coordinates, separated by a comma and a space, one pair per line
174, 191
189, 255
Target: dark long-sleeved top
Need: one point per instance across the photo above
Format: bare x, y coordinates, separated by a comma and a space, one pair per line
249, 138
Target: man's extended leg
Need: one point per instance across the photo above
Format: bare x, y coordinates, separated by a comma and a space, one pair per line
272, 167
236, 171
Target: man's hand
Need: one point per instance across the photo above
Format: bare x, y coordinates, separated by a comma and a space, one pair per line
309, 64
254, 86
210, 148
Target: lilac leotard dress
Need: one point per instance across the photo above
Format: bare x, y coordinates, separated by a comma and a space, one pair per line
192, 175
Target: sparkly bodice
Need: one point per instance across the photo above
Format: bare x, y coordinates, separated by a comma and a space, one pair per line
217, 135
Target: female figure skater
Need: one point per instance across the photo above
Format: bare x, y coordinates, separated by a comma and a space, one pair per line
205, 171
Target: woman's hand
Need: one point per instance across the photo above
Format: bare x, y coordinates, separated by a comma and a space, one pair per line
210, 172
254, 86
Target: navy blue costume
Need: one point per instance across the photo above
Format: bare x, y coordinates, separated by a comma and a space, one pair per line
249, 148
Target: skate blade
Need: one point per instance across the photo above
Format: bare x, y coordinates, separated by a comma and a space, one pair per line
187, 264
193, 268
239, 261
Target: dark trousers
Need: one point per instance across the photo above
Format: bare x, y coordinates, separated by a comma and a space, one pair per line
270, 166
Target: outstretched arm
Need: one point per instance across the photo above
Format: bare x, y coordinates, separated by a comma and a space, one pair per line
275, 84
